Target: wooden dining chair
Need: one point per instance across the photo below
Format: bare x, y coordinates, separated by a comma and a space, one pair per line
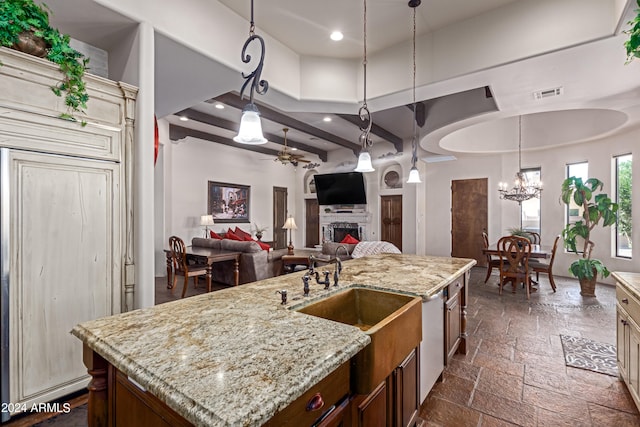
535, 237
491, 260
543, 267
515, 252
181, 266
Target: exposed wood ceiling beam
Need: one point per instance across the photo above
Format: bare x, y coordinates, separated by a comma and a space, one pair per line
201, 117
177, 133
234, 100
421, 113
376, 130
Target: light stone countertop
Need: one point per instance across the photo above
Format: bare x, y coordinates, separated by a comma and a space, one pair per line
237, 356
630, 281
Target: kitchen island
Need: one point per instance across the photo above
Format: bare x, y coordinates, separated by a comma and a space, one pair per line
238, 356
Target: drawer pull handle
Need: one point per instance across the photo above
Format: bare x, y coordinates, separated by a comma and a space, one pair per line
315, 403
625, 300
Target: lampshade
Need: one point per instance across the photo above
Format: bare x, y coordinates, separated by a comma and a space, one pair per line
250, 131
364, 162
290, 224
414, 176
206, 220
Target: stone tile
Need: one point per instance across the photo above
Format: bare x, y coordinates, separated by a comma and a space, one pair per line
463, 370
612, 397
601, 416
500, 384
448, 413
499, 364
454, 389
589, 377
547, 380
512, 411
554, 419
539, 361
538, 344
548, 400
497, 349
489, 421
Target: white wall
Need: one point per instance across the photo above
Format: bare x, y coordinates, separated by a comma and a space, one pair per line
191, 163
505, 214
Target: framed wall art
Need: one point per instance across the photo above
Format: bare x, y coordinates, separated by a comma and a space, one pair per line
228, 202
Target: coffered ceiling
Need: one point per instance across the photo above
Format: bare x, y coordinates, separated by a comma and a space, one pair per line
480, 65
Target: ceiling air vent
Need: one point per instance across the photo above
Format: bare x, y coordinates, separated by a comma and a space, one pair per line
541, 94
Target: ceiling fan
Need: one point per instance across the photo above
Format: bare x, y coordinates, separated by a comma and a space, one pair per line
286, 156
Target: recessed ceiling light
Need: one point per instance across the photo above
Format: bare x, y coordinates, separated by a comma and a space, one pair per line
337, 36
184, 118
294, 149
326, 119
219, 106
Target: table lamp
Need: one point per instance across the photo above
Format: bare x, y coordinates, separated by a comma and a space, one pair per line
290, 224
206, 221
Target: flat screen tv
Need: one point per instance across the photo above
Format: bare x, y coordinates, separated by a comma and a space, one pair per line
340, 188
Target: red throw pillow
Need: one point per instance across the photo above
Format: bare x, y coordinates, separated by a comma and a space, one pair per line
231, 236
242, 234
349, 239
215, 235
263, 245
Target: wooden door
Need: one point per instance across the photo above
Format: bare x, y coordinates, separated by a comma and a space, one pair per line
391, 219
312, 223
279, 217
468, 218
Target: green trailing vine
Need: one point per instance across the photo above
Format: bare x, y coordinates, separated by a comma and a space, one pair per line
632, 45
20, 16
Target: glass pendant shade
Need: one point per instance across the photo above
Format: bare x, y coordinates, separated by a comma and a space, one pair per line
414, 176
364, 162
250, 131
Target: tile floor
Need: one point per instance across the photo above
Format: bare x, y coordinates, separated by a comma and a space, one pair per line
514, 372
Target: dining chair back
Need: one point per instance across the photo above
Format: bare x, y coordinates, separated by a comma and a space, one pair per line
491, 260
181, 266
547, 268
535, 237
515, 252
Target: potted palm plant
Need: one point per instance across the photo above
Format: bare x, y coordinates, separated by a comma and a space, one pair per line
597, 208
24, 26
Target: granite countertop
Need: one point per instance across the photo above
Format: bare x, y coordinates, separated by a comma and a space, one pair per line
237, 356
630, 281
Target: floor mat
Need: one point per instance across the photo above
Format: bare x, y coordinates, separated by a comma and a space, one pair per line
586, 354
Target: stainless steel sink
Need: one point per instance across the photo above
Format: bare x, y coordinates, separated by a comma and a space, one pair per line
392, 321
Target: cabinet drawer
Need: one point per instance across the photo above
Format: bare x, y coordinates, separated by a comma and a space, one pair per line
331, 389
629, 303
454, 288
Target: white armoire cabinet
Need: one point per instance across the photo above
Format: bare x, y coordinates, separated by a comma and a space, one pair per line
65, 224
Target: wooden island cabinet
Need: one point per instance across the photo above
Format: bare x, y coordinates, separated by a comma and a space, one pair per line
240, 357
628, 331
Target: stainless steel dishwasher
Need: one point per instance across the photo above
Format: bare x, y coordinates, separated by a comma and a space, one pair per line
432, 344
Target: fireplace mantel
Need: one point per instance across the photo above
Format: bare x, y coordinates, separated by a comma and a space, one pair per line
328, 220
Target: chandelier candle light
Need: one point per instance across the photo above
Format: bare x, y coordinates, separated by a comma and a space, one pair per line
522, 189
414, 175
250, 131
290, 224
364, 158
206, 221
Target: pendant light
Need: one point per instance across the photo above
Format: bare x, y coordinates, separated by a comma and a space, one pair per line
364, 158
414, 175
250, 131
522, 189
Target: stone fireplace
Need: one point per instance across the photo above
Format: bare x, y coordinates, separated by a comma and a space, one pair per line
334, 226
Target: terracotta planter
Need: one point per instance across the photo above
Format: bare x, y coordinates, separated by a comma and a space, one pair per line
30, 44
